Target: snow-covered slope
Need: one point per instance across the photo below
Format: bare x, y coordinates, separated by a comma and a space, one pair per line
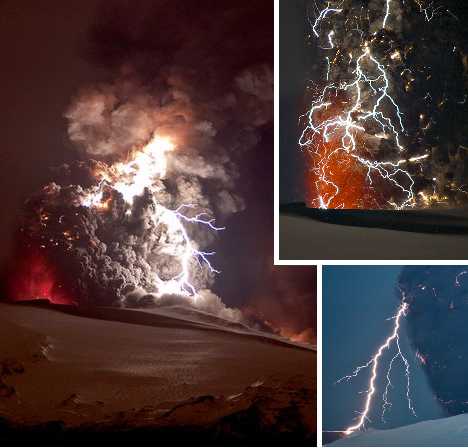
302, 238
448, 432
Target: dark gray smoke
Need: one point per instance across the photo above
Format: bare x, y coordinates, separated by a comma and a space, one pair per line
438, 306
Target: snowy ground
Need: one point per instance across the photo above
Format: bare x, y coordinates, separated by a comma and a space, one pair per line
305, 238
451, 431
157, 369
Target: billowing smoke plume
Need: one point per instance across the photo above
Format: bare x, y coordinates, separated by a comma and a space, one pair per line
387, 124
438, 306
293, 312
132, 221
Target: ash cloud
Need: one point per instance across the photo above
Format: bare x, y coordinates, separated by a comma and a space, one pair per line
198, 73
286, 301
438, 305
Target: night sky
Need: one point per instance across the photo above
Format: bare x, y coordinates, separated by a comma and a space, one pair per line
357, 300
54, 50
295, 62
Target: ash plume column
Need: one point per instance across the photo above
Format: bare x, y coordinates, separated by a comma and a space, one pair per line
386, 127
437, 307
160, 139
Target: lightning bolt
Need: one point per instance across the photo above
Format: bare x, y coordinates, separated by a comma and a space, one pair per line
132, 178
190, 250
387, 13
321, 16
368, 105
457, 278
374, 364
429, 11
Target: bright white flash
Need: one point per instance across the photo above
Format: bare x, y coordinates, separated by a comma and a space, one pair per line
145, 169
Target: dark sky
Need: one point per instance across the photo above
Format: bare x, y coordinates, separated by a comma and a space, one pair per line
357, 300
40, 43
295, 62
437, 296
52, 49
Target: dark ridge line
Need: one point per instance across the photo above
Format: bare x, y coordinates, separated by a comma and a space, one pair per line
55, 433
404, 220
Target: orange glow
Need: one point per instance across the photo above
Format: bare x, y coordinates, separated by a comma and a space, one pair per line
329, 167
348, 175
308, 335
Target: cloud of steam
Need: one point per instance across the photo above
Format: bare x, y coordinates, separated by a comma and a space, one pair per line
438, 305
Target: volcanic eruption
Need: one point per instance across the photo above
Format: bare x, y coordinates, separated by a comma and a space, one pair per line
377, 133
122, 237
134, 219
131, 222
157, 204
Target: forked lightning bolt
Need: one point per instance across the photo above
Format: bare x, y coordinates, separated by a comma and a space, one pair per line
369, 104
374, 364
131, 179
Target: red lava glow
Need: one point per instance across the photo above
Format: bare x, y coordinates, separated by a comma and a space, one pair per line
34, 277
343, 171
339, 168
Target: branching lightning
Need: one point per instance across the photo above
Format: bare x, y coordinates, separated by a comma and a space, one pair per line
348, 119
374, 363
322, 16
139, 173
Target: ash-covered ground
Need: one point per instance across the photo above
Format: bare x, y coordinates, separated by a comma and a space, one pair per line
171, 376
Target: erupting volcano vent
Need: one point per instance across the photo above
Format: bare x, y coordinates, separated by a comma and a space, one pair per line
166, 180
375, 131
119, 238
132, 222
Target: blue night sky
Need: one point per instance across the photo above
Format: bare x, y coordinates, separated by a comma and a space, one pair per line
357, 301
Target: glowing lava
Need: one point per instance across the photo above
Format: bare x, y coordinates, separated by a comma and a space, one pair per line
335, 179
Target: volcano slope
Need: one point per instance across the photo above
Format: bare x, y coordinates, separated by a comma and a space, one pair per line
167, 376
